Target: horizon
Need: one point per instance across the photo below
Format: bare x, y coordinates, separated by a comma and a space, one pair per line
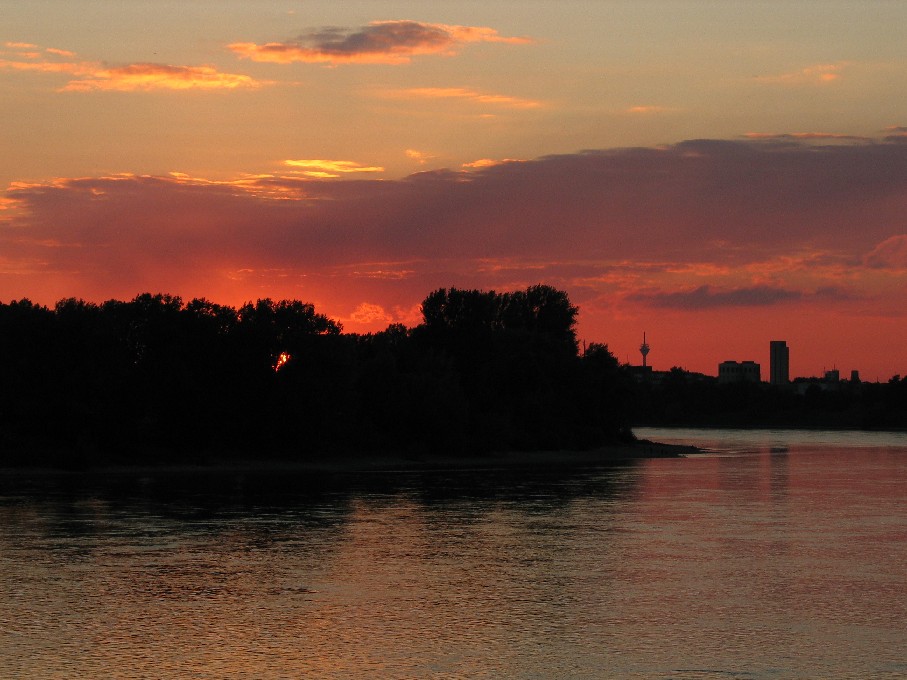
716, 175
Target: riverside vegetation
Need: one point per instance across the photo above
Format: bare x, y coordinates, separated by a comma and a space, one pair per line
157, 380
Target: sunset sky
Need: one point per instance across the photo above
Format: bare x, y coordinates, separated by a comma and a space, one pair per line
717, 174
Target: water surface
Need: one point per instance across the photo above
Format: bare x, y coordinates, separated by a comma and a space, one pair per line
770, 556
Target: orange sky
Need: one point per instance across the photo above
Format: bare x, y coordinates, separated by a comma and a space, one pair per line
717, 175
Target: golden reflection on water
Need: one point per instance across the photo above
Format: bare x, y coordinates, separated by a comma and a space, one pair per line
763, 565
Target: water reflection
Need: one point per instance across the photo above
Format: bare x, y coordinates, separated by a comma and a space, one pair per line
756, 564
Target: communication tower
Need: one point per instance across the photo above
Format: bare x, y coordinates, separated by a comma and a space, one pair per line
644, 349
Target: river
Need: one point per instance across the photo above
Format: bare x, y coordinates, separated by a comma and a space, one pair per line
770, 555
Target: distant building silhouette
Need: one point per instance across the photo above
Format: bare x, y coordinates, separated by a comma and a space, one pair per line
644, 350
739, 371
779, 362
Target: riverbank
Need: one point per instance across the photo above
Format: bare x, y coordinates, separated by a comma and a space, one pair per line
375, 462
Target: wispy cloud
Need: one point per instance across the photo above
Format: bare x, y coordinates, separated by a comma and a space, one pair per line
88, 76
146, 77
648, 109
817, 74
421, 157
896, 133
380, 42
488, 163
329, 168
465, 94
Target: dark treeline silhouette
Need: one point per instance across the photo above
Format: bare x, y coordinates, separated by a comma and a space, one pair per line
158, 380
683, 399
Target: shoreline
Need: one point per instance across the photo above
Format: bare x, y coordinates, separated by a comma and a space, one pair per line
384, 462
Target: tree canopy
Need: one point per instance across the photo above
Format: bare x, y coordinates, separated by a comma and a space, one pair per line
155, 378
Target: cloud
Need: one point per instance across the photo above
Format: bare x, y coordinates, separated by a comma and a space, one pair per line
644, 109
705, 297
146, 77
368, 313
90, 76
731, 223
380, 42
420, 157
327, 169
817, 74
896, 134
488, 162
465, 94
805, 136
709, 297
889, 254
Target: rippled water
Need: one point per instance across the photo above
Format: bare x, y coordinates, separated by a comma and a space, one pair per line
771, 556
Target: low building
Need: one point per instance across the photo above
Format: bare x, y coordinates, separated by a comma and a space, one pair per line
739, 371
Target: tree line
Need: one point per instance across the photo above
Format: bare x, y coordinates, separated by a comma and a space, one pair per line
156, 379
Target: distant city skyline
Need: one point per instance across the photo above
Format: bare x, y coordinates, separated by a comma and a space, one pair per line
719, 174
778, 367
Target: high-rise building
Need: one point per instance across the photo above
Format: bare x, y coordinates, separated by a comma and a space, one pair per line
779, 362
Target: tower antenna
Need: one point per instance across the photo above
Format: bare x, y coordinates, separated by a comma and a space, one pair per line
644, 349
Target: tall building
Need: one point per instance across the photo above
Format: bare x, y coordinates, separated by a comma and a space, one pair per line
779, 362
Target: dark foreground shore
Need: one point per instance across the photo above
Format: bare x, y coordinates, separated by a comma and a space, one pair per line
366, 462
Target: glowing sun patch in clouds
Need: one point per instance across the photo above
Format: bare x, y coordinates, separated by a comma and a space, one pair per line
489, 163
368, 313
380, 42
90, 76
327, 169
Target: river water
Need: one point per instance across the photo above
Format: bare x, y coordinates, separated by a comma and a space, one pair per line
771, 555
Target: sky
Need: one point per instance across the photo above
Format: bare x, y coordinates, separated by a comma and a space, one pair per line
716, 174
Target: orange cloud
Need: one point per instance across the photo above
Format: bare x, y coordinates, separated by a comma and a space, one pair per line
488, 163
466, 94
59, 52
811, 75
145, 77
94, 76
419, 156
328, 169
380, 42
368, 313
